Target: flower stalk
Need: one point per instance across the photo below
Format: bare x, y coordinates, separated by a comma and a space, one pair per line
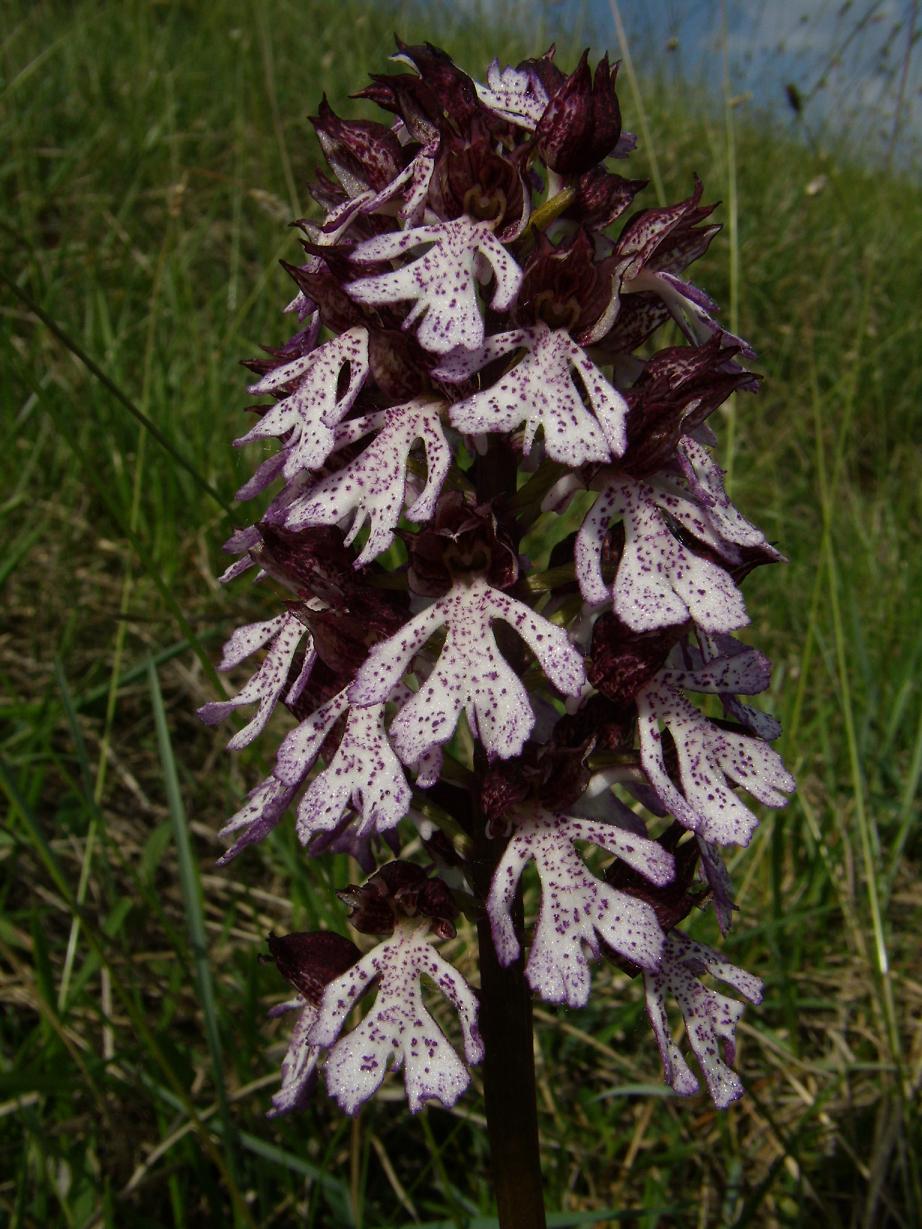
478, 340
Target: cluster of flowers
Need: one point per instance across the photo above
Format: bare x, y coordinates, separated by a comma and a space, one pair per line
473, 350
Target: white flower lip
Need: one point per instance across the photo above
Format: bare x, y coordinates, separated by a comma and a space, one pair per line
442, 282
470, 675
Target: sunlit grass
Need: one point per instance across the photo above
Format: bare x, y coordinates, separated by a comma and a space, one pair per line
153, 155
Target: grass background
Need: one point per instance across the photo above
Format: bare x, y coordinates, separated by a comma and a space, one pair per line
154, 153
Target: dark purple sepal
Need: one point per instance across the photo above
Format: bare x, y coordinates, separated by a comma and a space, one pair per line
622, 661
562, 773
362, 153
678, 389
546, 71
408, 97
552, 775
400, 890
398, 364
463, 539
316, 563
322, 283
326, 192
661, 238
609, 726
504, 787
340, 640
471, 179
582, 122
564, 286
453, 88
297, 346
601, 197
311, 960
639, 316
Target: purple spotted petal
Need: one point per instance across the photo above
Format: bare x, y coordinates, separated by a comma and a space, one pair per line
515, 94
301, 746
710, 1018
299, 1063
260, 814
389, 660
659, 581
240, 543
741, 670
398, 1027
470, 675
412, 185
708, 757
373, 487
691, 309
716, 648
719, 882
307, 416
264, 475
266, 686
442, 282
576, 908
708, 486
540, 391
364, 773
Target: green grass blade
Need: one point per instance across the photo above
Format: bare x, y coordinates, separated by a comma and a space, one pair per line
191, 887
122, 397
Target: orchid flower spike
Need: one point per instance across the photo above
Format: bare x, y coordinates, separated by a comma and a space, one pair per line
477, 344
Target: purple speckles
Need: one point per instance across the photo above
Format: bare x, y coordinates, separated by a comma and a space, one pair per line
397, 1026
540, 391
445, 274
470, 675
707, 756
659, 580
364, 773
576, 908
283, 634
307, 415
474, 345
373, 487
710, 1018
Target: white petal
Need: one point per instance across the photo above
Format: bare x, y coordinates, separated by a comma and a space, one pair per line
576, 909
267, 684
727, 520
259, 815
398, 1025
442, 282
364, 772
298, 1065
246, 640
315, 406
389, 660
710, 1018
373, 487
659, 581
540, 391
301, 745
560, 660
707, 756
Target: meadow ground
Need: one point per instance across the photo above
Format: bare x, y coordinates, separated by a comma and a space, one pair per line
154, 153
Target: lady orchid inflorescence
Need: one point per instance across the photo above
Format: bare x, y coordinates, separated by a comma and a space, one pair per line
475, 349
